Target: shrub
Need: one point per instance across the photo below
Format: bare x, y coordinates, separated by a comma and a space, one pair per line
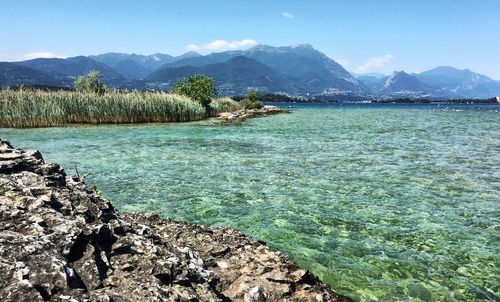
91, 83
248, 104
198, 87
224, 104
254, 96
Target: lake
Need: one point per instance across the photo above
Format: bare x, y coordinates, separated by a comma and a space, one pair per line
382, 202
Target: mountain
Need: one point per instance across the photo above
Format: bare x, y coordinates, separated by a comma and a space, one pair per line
376, 75
233, 77
317, 73
298, 70
150, 62
400, 83
187, 55
13, 75
133, 66
462, 83
71, 67
372, 83
131, 69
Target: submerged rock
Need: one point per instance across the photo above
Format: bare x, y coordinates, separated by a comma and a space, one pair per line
61, 241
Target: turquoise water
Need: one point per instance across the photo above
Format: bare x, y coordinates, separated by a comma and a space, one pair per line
385, 203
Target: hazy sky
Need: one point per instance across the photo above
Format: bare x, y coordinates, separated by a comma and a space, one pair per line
364, 36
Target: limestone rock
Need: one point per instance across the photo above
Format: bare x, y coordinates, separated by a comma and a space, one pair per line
243, 114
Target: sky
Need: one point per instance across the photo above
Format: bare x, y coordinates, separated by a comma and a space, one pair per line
363, 36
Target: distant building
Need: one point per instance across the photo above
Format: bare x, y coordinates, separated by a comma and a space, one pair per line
498, 99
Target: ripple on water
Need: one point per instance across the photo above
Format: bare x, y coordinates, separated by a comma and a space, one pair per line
385, 203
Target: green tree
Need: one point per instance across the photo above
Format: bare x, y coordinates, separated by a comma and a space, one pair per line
91, 83
253, 100
198, 87
254, 96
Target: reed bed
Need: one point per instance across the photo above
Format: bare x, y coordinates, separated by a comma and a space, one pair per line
35, 108
224, 104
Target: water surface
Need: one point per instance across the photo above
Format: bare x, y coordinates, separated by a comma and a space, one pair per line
383, 202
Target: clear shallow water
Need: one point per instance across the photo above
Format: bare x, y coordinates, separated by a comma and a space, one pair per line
385, 203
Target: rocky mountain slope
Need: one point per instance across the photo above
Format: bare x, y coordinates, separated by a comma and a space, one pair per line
136, 67
301, 64
460, 82
233, 77
439, 82
61, 241
401, 83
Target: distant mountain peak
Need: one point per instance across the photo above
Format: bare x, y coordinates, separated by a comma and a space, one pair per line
402, 83
376, 75
189, 54
394, 77
399, 73
305, 45
260, 47
192, 53
445, 68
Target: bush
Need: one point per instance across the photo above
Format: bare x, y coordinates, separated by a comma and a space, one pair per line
198, 87
91, 84
248, 104
253, 100
254, 96
224, 104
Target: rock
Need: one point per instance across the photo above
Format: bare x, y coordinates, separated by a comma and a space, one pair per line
240, 115
60, 241
255, 294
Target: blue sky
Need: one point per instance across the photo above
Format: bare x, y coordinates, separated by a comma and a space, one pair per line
364, 36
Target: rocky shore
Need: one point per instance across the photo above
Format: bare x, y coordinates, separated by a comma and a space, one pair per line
61, 241
243, 114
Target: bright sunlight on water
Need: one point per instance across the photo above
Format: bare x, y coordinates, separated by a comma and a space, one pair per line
383, 202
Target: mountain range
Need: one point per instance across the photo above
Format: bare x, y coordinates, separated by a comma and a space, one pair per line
298, 70
440, 82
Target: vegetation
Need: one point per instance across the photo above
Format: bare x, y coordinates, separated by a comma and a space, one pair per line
198, 87
279, 98
253, 100
224, 104
254, 96
91, 83
284, 98
35, 108
247, 104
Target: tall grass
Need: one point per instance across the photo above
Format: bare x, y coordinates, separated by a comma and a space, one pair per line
224, 104
35, 108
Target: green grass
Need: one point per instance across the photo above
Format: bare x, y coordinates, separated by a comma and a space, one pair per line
35, 108
224, 104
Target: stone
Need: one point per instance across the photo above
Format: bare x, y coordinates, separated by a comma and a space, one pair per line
243, 114
255, 294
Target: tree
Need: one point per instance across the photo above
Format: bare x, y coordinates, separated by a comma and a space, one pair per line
198, 87
254, 96
253, 100
91, 83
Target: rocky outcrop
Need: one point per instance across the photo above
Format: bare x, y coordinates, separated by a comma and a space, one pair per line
61, 241
243, 114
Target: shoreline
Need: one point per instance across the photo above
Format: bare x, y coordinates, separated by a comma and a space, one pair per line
243, 114
60, 240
